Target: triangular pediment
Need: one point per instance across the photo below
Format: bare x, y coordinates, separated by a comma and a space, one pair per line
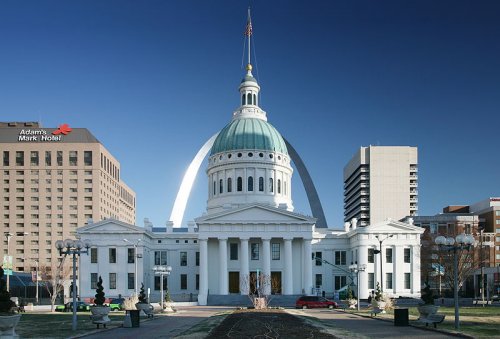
110, 226
256, 214
390, 227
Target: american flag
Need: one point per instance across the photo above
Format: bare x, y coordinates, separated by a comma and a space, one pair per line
248, 30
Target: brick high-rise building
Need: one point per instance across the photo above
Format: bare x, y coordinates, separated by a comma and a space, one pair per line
51, 181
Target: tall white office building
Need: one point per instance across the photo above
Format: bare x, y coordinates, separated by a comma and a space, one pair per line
381, 182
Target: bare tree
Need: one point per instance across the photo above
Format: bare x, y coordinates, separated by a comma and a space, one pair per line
54, 278
258, 288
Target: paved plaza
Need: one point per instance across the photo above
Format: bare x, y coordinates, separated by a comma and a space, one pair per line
344, 325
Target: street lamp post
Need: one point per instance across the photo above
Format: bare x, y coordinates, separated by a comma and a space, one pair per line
355, 268
380, 241
136, 257
461, 242
75, 248
9, 258
162, 270
36, 278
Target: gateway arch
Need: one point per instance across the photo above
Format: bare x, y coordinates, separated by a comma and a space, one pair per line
188, 180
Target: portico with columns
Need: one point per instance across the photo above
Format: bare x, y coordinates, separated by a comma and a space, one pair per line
255, 238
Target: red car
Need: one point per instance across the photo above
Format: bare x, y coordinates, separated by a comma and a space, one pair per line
314, 302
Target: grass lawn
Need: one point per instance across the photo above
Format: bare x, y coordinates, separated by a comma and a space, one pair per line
58, 325
479, 322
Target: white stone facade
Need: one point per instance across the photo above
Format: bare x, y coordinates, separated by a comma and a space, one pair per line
255, 224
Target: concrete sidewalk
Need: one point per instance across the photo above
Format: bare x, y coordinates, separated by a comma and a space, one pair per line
366, 327
162, 326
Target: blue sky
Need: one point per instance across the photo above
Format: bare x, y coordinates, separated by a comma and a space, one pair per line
153, 80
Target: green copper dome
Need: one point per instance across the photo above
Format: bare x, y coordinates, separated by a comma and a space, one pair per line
249, 134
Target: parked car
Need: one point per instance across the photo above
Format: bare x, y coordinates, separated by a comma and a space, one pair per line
495, 298
68, 307
116, 304
314, 302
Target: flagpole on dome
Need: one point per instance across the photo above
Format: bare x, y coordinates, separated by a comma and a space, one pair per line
248, 33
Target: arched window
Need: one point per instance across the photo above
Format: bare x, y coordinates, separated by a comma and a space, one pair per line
271, 185
239, 184
261, 184
220, 186
243, 101
284, 187
229, 185
249, 99
255, 99
215, 187
250, 184
279, 186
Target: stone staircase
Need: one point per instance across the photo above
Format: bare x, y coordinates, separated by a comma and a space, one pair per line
244, 300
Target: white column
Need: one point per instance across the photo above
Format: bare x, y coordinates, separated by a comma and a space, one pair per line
397, 269
307, 267
415, 271
363, 276
266, 264
245, 271
223, 275
288, 276
203, 292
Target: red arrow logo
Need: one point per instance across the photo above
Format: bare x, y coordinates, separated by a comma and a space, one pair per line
63, 129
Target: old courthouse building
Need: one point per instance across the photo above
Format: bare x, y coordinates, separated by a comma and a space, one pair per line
250, 228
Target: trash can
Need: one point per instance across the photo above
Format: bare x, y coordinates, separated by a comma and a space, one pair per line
135, 319
401, 317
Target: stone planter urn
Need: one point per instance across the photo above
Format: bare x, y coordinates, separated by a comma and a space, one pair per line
379, 305
8, 325
427, 309
352, 303
100, 313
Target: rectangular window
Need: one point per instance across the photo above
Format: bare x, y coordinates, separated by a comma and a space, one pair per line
130, 255
48, 158
371, 281
233, 251
160, 258
93, 255
318, 256
197, 258
34, 158
371, 256
112, 255
388, 255
497, 213
197, 282
407, 256
59, 158
184, 258
254, 249
184, 281
87, 158
130, 281
340, 281
112, 281
319, 280
19, 158
73, 158
6, 158
388, 278
157, 283
93, 281
340, 257
433, 228
407, 281
275, 251
497, 221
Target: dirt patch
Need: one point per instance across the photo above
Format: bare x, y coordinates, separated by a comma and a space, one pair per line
265, 324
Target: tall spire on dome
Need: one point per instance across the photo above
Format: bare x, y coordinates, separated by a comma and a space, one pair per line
248, 34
